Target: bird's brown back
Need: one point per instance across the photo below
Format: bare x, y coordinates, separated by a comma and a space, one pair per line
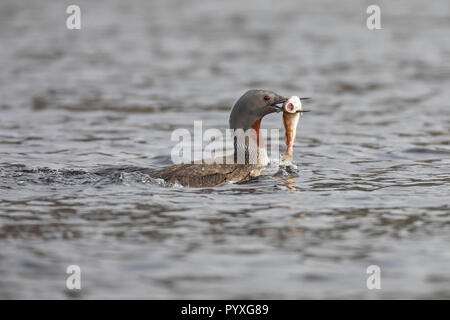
206, 175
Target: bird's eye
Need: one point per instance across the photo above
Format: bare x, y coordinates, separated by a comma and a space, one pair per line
266, 98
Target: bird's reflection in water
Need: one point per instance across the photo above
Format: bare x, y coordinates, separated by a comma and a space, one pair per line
290, 184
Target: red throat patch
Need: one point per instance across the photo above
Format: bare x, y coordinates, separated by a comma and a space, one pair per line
256, 126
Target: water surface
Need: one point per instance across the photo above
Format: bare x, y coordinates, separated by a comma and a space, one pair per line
86, 117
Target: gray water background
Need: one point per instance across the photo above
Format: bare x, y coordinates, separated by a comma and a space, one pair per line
86, 116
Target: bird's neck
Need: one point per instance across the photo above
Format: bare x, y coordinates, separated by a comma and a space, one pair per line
249, 146
259, 138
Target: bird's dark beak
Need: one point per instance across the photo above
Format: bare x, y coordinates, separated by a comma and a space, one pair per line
304, 99
278, 104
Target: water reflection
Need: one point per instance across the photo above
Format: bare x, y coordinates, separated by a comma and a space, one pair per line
86, 119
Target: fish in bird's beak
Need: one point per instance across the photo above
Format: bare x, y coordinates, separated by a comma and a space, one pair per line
280, 104
292, 108
294, 105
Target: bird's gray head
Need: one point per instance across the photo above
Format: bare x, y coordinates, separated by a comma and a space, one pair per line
252, 106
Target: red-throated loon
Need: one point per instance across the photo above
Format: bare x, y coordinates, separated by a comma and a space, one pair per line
249, 154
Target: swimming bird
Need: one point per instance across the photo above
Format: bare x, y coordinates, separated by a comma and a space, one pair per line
249, 154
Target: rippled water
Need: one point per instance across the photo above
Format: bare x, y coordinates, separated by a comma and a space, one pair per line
86, 117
